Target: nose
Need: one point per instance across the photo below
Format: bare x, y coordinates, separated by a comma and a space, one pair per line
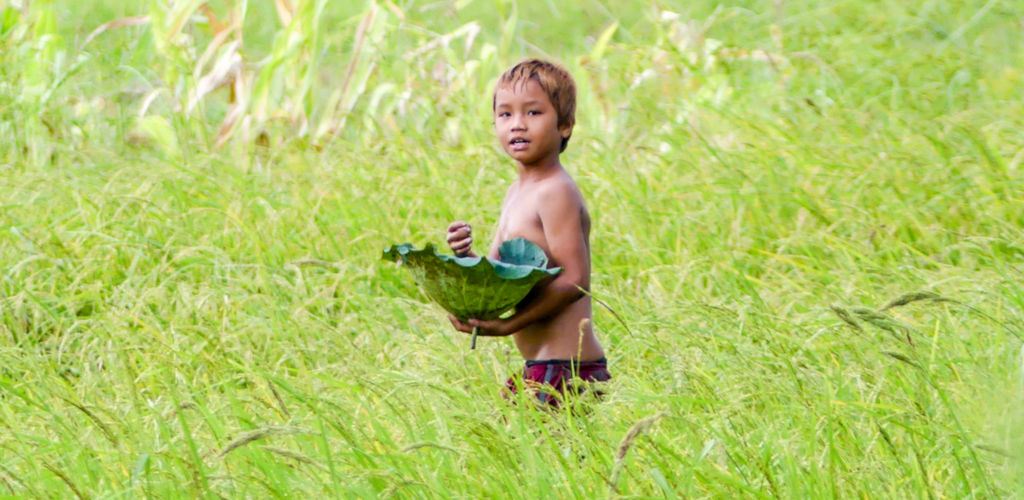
517, 122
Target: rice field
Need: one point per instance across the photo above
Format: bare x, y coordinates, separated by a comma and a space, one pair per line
808, 247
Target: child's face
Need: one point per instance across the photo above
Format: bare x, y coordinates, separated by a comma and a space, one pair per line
527, 124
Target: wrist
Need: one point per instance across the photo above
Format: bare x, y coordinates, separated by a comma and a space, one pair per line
512, 325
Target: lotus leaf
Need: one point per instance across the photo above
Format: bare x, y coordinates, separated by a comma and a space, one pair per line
476, 287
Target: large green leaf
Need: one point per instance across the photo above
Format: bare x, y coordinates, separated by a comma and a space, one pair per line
475, 287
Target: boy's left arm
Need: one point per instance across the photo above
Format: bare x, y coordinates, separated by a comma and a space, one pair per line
560, 214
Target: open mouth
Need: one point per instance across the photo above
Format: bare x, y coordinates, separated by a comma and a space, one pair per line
518, 143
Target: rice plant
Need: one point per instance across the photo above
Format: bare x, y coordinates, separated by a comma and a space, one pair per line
807, 249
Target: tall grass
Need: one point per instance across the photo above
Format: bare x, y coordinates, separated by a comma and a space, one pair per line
808, 215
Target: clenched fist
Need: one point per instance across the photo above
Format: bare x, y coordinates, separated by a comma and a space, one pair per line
460, 238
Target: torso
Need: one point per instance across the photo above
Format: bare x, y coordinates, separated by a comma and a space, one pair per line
558, 336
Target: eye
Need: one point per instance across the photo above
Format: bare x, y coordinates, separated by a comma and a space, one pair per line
503, 114
534, 112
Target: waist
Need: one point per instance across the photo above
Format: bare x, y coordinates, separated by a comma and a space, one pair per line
602, 361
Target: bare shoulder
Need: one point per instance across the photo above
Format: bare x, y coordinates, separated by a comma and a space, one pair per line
561, 204
560, 191
512, 188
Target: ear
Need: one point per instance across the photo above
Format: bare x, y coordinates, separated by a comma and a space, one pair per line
565, 131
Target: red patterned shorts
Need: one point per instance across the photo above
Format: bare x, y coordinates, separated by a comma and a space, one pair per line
550, 380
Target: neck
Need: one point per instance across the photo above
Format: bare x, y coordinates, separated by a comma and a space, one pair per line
539, 170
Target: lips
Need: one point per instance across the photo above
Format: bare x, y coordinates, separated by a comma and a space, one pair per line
518, 144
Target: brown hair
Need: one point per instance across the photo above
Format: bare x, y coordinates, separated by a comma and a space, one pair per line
556, 82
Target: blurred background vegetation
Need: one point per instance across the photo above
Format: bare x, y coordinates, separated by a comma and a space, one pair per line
809, 215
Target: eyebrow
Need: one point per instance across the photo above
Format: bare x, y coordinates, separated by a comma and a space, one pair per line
527, 103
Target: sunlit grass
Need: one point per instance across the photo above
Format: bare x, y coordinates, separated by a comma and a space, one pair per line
180, 318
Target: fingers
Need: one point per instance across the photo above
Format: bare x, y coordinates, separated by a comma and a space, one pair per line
459, 230
460, 237
457, 225
460, 326
461, 247
488, 328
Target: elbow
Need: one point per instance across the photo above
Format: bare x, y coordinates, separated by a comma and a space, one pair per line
580, 293
580, 288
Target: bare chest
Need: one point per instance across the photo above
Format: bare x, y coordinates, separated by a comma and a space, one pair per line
520, 218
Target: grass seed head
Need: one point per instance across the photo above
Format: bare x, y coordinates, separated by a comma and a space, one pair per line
907, 298
257, 434
846, 317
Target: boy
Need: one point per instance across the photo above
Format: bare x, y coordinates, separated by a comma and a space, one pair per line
534, 107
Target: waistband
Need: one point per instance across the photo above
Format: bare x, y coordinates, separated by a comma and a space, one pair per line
565, 362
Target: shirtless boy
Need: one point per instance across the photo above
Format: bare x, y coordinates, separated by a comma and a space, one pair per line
534, 108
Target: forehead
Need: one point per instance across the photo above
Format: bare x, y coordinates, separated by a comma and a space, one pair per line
521, 91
